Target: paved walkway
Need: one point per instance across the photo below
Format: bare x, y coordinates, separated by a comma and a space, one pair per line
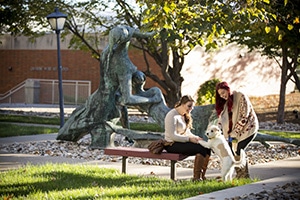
271, 174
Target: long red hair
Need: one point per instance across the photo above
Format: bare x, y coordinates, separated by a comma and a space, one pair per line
220, 102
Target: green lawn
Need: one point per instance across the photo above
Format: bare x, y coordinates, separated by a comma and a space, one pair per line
29, 119
295, 135
66, 181
9, 130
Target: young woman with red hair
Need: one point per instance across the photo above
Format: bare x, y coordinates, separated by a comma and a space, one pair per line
237, 120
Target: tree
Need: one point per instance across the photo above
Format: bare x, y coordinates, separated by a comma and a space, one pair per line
25, 17
178, 25
273, 28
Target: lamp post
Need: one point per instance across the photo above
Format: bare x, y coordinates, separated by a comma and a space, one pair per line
57, 22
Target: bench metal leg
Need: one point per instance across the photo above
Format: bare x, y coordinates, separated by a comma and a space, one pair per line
173, 169
124, 163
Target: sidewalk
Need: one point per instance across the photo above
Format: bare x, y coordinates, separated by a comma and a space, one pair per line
271, 174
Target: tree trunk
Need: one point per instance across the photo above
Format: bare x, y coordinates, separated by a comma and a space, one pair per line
295, 70
280, 115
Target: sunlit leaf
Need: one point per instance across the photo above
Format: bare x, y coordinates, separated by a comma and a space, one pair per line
267, 1
201, 42
166, 9
296, 20
285, 2
210, 38
276, 29
267, 29
280, 37
214, 28
290, 26
222, 31
274, 16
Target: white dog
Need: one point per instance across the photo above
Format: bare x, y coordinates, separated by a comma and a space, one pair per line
217, 142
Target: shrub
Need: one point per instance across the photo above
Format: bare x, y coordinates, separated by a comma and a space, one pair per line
207, 92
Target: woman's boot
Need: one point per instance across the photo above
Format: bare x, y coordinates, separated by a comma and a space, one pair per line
198, 163
242, 172
204, 167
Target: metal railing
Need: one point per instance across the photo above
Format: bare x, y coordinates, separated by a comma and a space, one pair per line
45, 91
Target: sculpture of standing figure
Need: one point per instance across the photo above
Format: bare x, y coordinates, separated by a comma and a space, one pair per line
114, 93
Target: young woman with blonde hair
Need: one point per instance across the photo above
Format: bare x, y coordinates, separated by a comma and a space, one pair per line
178, 125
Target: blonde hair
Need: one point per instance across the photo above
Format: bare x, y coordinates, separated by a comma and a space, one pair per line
187, 117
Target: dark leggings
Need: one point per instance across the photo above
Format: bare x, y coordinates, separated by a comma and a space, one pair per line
242, 144
188, 148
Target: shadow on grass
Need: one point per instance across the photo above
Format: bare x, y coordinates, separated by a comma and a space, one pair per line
116, 185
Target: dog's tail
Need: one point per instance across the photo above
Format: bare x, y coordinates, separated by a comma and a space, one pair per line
243, 160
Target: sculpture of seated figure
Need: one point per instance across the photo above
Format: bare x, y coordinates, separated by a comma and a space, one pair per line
157, 111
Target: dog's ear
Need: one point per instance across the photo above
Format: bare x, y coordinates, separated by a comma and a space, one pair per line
218, 131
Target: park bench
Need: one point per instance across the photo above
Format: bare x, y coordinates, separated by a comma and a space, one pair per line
126, 152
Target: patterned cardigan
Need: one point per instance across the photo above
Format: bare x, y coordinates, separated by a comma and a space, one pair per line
244, 119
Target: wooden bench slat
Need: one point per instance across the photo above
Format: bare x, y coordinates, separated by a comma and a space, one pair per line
143, 153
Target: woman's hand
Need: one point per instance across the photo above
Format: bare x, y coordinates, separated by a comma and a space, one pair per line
195, 139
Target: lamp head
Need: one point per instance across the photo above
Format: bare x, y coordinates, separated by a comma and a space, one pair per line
57, 20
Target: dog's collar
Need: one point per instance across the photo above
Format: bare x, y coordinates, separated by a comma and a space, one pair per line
211, 137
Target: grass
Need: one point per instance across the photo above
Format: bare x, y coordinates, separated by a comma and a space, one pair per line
66, 181
29, 119
9, 130
295, 135
146, 127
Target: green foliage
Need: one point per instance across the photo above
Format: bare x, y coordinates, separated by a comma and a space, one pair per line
267, 25
207, 92
69, 181
186, 24
24, 17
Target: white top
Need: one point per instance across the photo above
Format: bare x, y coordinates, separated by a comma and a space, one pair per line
175, 127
